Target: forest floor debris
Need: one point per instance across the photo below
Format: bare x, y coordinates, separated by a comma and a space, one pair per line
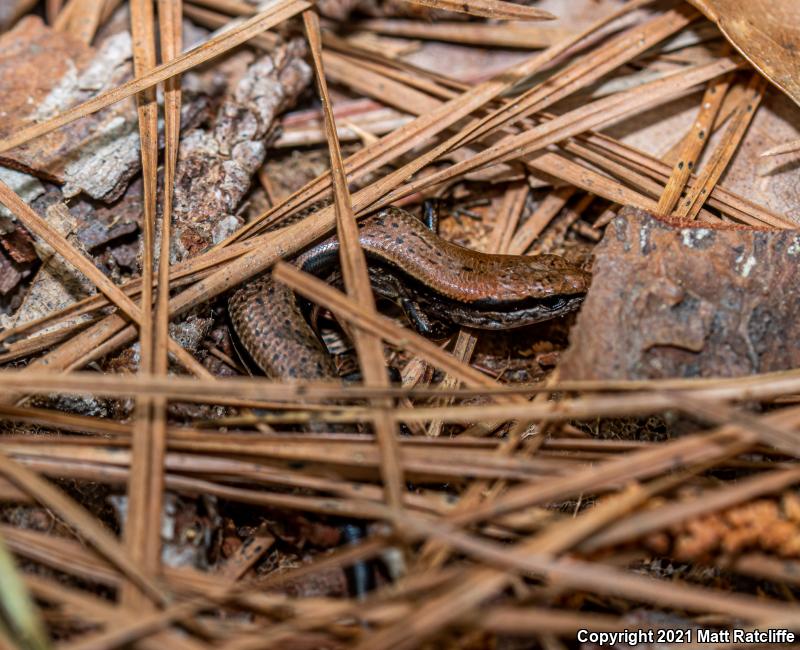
630, 466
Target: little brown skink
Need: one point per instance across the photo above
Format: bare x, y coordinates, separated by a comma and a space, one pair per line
432, 279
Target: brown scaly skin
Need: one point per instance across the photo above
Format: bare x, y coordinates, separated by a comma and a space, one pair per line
273, 330
427, 275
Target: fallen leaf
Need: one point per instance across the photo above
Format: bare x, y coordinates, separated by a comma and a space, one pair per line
766, 32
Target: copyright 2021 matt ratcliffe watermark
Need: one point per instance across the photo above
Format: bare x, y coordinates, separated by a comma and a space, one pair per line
681, 635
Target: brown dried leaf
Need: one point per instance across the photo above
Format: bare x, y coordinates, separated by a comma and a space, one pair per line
766, 32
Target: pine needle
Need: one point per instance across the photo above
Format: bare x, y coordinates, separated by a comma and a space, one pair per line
489, 9
357, 284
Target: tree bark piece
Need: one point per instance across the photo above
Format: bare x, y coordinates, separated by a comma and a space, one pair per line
50, 71
215, 165
670, 299
44, 72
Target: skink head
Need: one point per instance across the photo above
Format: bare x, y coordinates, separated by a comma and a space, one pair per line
555, 275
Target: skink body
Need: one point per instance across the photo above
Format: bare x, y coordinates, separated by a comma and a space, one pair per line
432, 279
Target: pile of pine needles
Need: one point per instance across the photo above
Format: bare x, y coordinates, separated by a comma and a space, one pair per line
499, 516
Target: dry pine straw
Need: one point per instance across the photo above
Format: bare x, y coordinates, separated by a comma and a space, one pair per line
148, 455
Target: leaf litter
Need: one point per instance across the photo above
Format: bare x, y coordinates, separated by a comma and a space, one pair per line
513, 488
